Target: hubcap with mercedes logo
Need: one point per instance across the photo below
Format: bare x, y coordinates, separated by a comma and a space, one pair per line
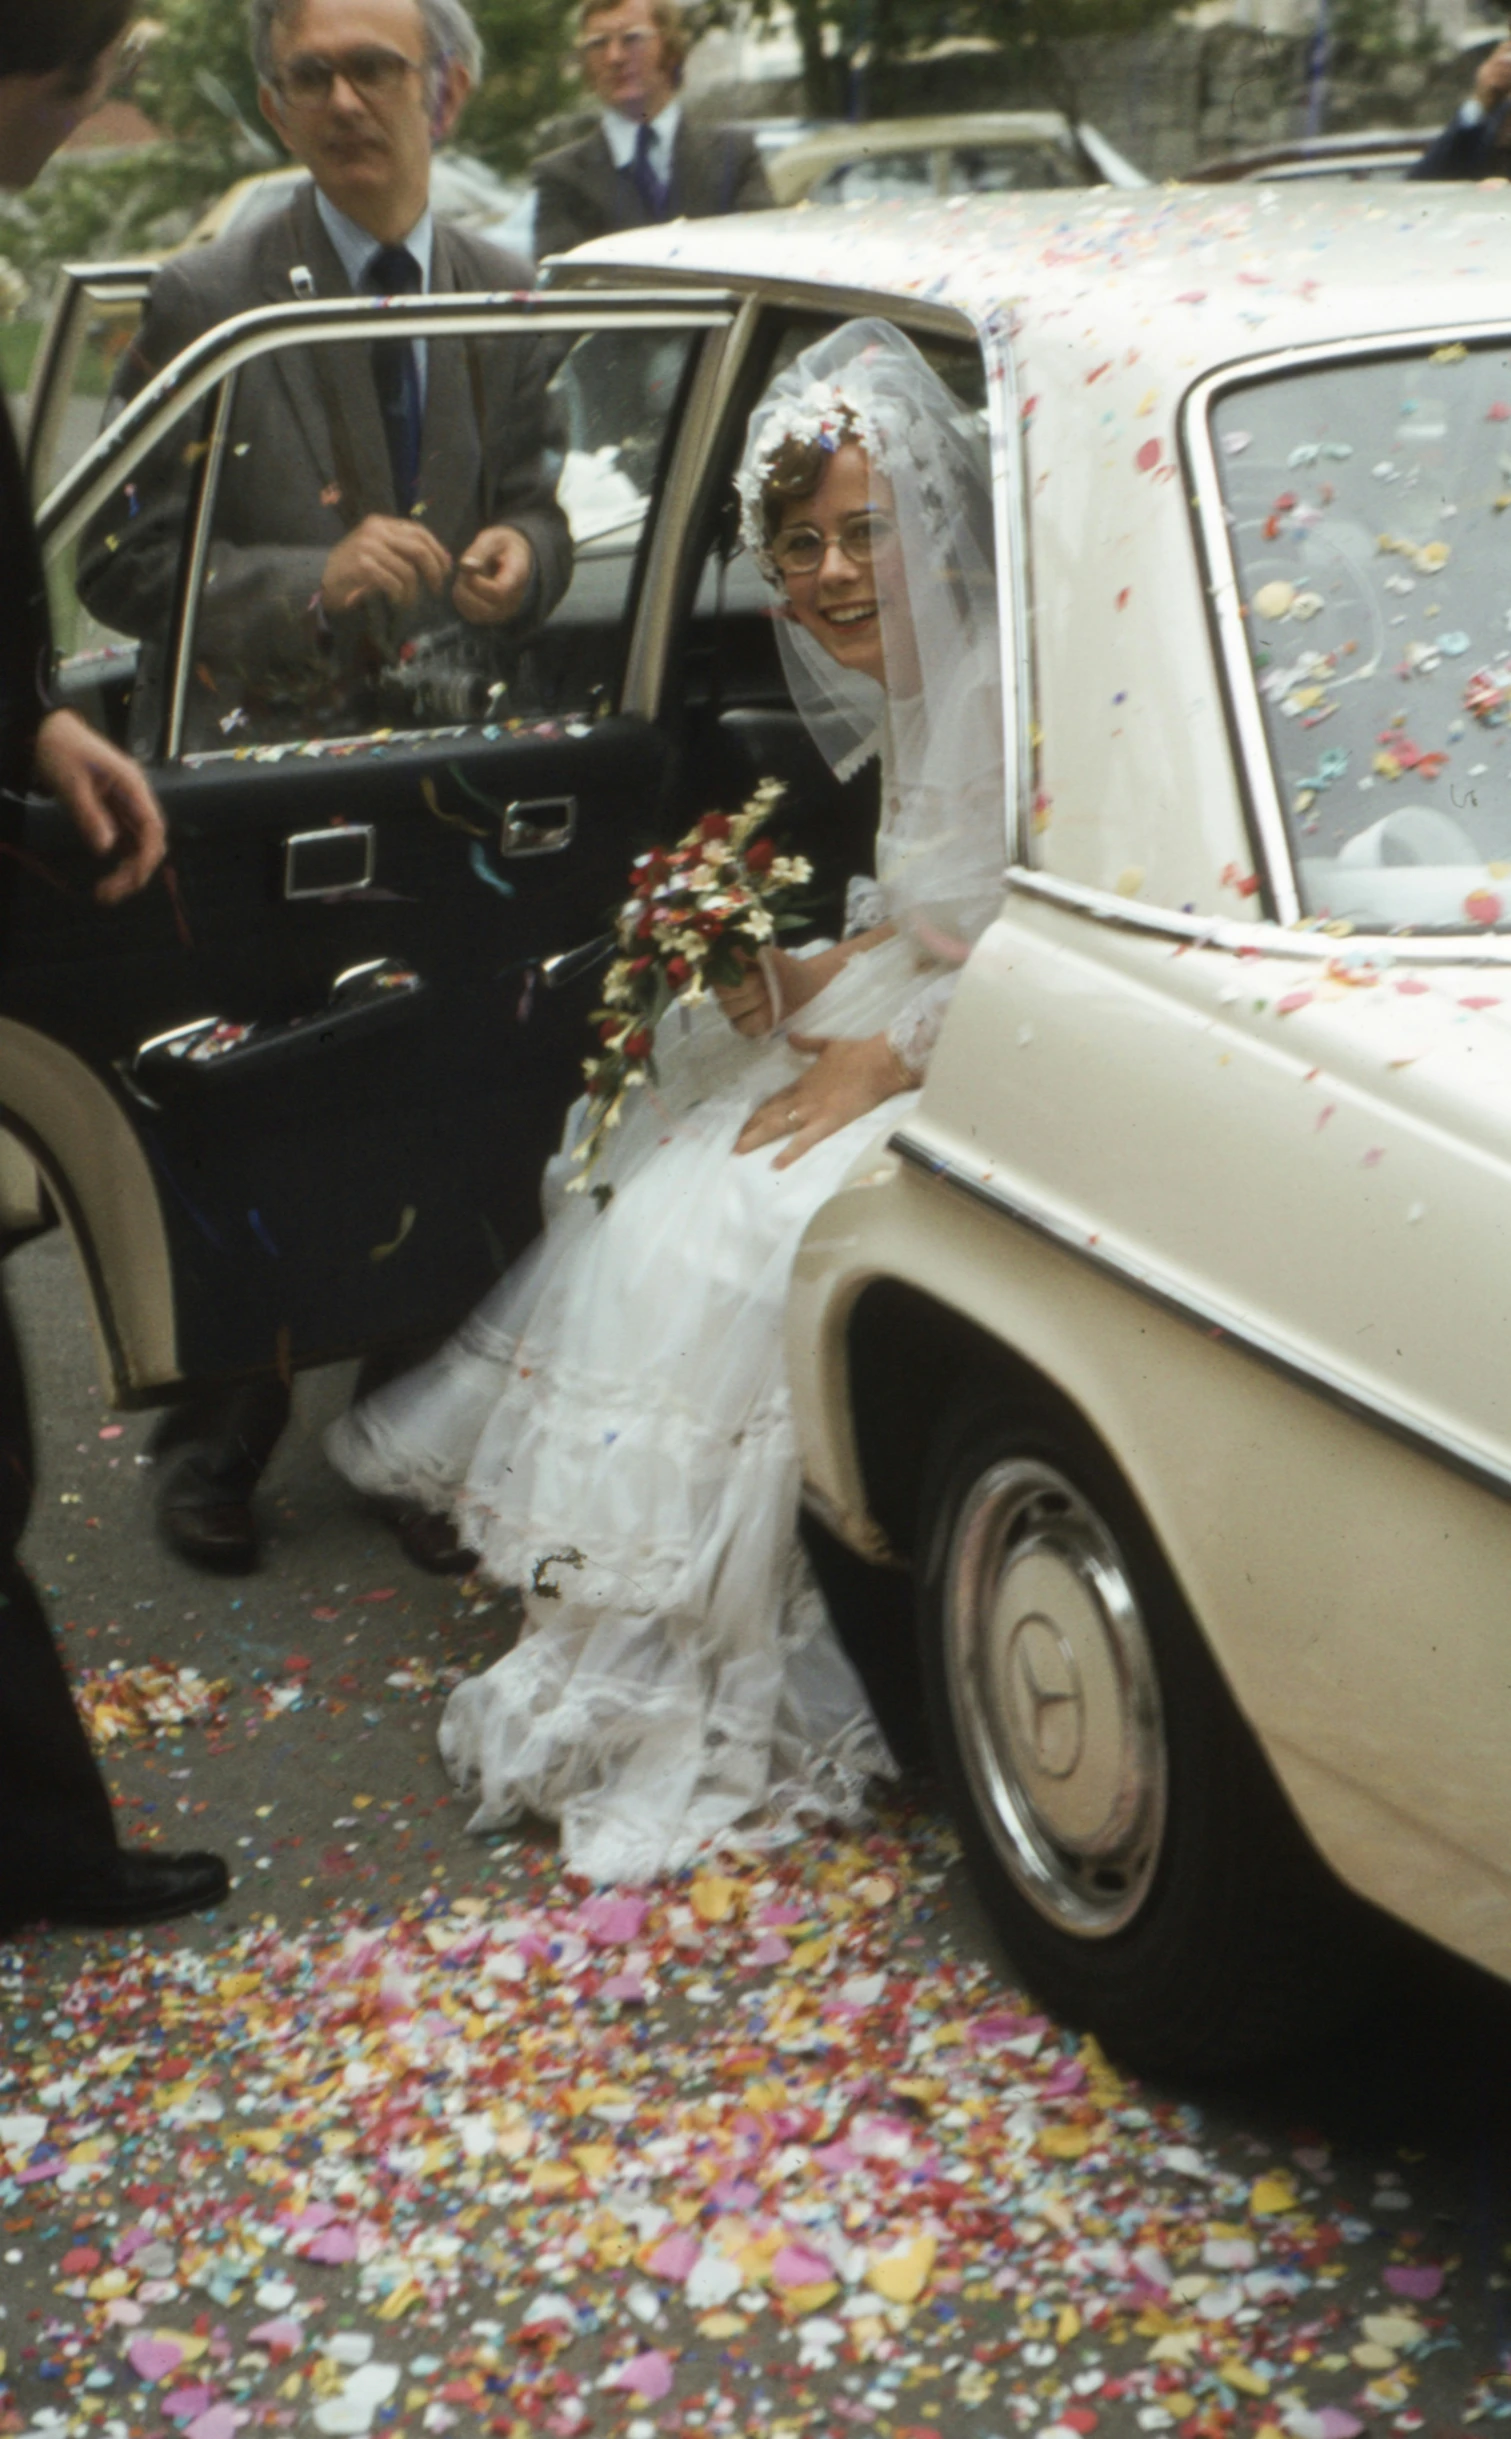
1056, 1700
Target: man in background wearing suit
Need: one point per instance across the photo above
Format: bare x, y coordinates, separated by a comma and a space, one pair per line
1476, 143
59, 1860
646, 161
376, 493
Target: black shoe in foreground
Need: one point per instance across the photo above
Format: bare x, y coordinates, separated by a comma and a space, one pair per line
115, 1891
209, 1524
430, 1541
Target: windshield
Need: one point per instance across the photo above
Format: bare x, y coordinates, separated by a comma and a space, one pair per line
1370, 510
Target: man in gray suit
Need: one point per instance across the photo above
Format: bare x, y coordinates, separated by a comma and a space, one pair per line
646, 161
374, 495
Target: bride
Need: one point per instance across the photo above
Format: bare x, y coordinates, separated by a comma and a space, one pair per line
611, 1430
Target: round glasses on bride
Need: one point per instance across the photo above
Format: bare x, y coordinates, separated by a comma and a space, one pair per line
799, 549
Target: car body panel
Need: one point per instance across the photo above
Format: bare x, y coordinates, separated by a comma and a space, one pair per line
802, 167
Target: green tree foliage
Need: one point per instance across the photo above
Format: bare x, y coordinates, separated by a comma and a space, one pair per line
861, 48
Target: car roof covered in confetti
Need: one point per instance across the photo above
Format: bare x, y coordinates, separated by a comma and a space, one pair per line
1102, 313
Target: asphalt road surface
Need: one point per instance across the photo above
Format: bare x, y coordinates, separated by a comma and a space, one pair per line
417, 2135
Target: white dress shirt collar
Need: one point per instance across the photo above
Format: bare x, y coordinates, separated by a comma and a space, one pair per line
356, 246
622, 135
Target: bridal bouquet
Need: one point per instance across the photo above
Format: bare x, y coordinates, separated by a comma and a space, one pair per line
696, 916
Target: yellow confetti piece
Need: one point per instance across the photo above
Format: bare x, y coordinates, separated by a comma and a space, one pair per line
901, 2276
1373, 2358
713, 1899
1179, 2404
1396, 2329
553, 2176
803, 2300
596, 2160
109, 2284
1269, 2196
1068, 2142
1449, 355
1067, 2325
1243, 2377
1176, 2346
809, 1952
723, 2324
402, 2300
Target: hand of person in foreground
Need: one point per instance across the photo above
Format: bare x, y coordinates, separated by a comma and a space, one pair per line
1493, 81
847, 1079
493, 577
107, 798
392, 557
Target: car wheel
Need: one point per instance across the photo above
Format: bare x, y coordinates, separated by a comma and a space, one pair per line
1123, 1830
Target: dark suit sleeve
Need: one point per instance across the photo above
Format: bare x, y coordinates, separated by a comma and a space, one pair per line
25, 631
752, 188
1463, 151
564, 215
128, 556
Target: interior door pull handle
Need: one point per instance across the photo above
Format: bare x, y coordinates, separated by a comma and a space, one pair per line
365, 999
541, 826
334, 863
556, 972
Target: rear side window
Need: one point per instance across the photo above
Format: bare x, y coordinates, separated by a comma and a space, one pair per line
1369, 507
884, 177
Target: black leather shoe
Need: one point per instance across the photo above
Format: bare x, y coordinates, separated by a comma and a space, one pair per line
208, 1522
113, 1891
430, 1542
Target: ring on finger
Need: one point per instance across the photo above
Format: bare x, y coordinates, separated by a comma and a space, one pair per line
794, 1117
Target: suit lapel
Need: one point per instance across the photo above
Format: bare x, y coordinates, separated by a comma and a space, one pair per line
451, 445
336, 406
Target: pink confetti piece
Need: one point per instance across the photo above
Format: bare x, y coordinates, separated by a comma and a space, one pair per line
1336, 2424
627, 1986
333, 2244
185, 2403
1291, 1001
648, 2375
613, 1922
111, 1431
675, 2255
1373, 1157
1486, 1000
153, 2358
1421, 2280
768, 1951
220, 2423
1323, 1116
279, 2336
796, 2266
1147, 457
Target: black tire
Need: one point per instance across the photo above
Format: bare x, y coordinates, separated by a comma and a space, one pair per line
1122, 1828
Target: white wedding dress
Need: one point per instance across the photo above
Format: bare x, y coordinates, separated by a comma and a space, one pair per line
611, 1429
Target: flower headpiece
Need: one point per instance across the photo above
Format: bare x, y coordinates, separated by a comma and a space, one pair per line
823, 414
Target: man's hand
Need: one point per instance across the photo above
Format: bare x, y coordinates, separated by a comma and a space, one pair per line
1493, 81
846, 1080
392, 557
108, 799
493, 577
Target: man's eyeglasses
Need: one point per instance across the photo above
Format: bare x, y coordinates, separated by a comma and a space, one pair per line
598, 46
375, 72
799, 549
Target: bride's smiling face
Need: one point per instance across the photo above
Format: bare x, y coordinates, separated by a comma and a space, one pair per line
841, 568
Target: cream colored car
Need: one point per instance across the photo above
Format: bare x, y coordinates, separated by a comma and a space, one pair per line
977, 152
1159, 1368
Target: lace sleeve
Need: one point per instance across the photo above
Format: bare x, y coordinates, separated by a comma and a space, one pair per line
917, 1027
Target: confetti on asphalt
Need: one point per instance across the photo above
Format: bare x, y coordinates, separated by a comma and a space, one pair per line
658, 2161
130, 1705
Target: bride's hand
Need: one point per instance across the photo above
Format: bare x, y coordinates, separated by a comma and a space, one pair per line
846, 1080
747, 1003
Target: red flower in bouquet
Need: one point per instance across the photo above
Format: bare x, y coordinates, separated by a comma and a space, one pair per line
697, 915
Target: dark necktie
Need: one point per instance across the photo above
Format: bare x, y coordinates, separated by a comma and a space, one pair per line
393, 271
648, 186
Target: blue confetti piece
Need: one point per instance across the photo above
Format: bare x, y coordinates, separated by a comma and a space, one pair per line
477, 858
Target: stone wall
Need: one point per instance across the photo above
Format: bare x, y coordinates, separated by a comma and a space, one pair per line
1167, 99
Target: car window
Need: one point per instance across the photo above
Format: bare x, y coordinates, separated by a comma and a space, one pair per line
1368, 504
985, 169
882, 177
469, 563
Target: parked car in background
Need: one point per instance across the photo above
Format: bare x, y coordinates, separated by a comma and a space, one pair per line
1153, 1377
1380, 152
461, 189
977, 152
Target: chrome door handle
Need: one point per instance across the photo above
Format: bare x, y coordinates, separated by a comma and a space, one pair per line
334, 863
556, 972
362, 999
541, 826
